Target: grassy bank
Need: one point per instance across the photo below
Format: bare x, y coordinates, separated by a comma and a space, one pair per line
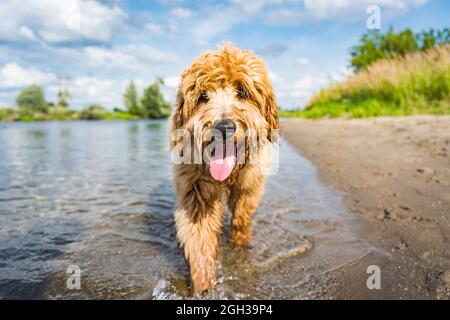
418, 83
63, 114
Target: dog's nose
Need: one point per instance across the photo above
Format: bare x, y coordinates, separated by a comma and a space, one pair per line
227, 127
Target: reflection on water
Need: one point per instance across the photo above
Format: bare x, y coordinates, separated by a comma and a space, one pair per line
98, 195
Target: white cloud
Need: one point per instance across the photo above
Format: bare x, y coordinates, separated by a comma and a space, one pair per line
100, 57
297, 92
160, 29
14, 76
85, 90
172, 81
108, 93
303, 61
170, 2
155, 28
254, 5
216, 21
328, 8
340, 74
307, 10
181, 12
308, 84
276, 79
27, 33
131, 57
91, 90
53, 20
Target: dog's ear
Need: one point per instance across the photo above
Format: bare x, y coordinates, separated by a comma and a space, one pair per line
177, 120
177, 117
271, 115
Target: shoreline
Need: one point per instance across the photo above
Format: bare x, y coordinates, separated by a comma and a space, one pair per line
395, 175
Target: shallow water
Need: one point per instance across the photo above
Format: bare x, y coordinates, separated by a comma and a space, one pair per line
98, 195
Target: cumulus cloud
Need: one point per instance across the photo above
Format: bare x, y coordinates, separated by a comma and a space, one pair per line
58, 21
129, 57
255, 5
106, 92
181, 12
303, 61
328, 8
276, 78
309, 83
172, 81
300, 11
217, 21
161, 29
27, 33
92, 90
296, 92
85, 89
14, 76
170, 2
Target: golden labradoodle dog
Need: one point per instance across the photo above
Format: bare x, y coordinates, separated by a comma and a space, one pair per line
224, 126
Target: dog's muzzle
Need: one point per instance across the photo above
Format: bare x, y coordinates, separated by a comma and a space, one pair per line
226, 127
224, 159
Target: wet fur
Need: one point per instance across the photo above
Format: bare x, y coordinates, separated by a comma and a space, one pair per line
200, 199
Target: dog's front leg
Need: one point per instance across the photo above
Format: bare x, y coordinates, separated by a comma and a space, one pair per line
198, 232
243, 201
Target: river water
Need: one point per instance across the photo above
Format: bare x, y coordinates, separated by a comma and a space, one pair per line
98, 196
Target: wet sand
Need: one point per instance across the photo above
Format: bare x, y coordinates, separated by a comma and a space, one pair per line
395, 175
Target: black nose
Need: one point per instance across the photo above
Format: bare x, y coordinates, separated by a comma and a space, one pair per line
227, 127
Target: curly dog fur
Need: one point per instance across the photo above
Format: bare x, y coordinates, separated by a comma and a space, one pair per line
226, 84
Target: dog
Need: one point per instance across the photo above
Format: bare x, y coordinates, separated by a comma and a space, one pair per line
227, 91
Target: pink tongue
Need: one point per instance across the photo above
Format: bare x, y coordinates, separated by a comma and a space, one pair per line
223, 162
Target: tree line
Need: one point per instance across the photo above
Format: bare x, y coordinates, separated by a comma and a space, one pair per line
375, 45
32, 105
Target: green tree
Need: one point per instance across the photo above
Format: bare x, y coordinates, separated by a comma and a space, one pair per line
131, 100
432, 38
63, 97
367, 51
153, 104
32, 99
375, 45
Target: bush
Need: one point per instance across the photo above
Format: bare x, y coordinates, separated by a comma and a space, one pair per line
32, 98
93, 112
60, 113
122, 115
374, 45
9, 114
417, 83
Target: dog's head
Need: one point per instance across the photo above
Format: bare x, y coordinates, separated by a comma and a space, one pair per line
226, 96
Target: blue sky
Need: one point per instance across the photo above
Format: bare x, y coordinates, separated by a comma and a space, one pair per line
94, 48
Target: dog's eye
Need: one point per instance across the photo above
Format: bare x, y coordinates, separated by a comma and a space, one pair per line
203, 98
242, 93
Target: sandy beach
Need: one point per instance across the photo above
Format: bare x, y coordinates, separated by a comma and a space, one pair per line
395, 175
